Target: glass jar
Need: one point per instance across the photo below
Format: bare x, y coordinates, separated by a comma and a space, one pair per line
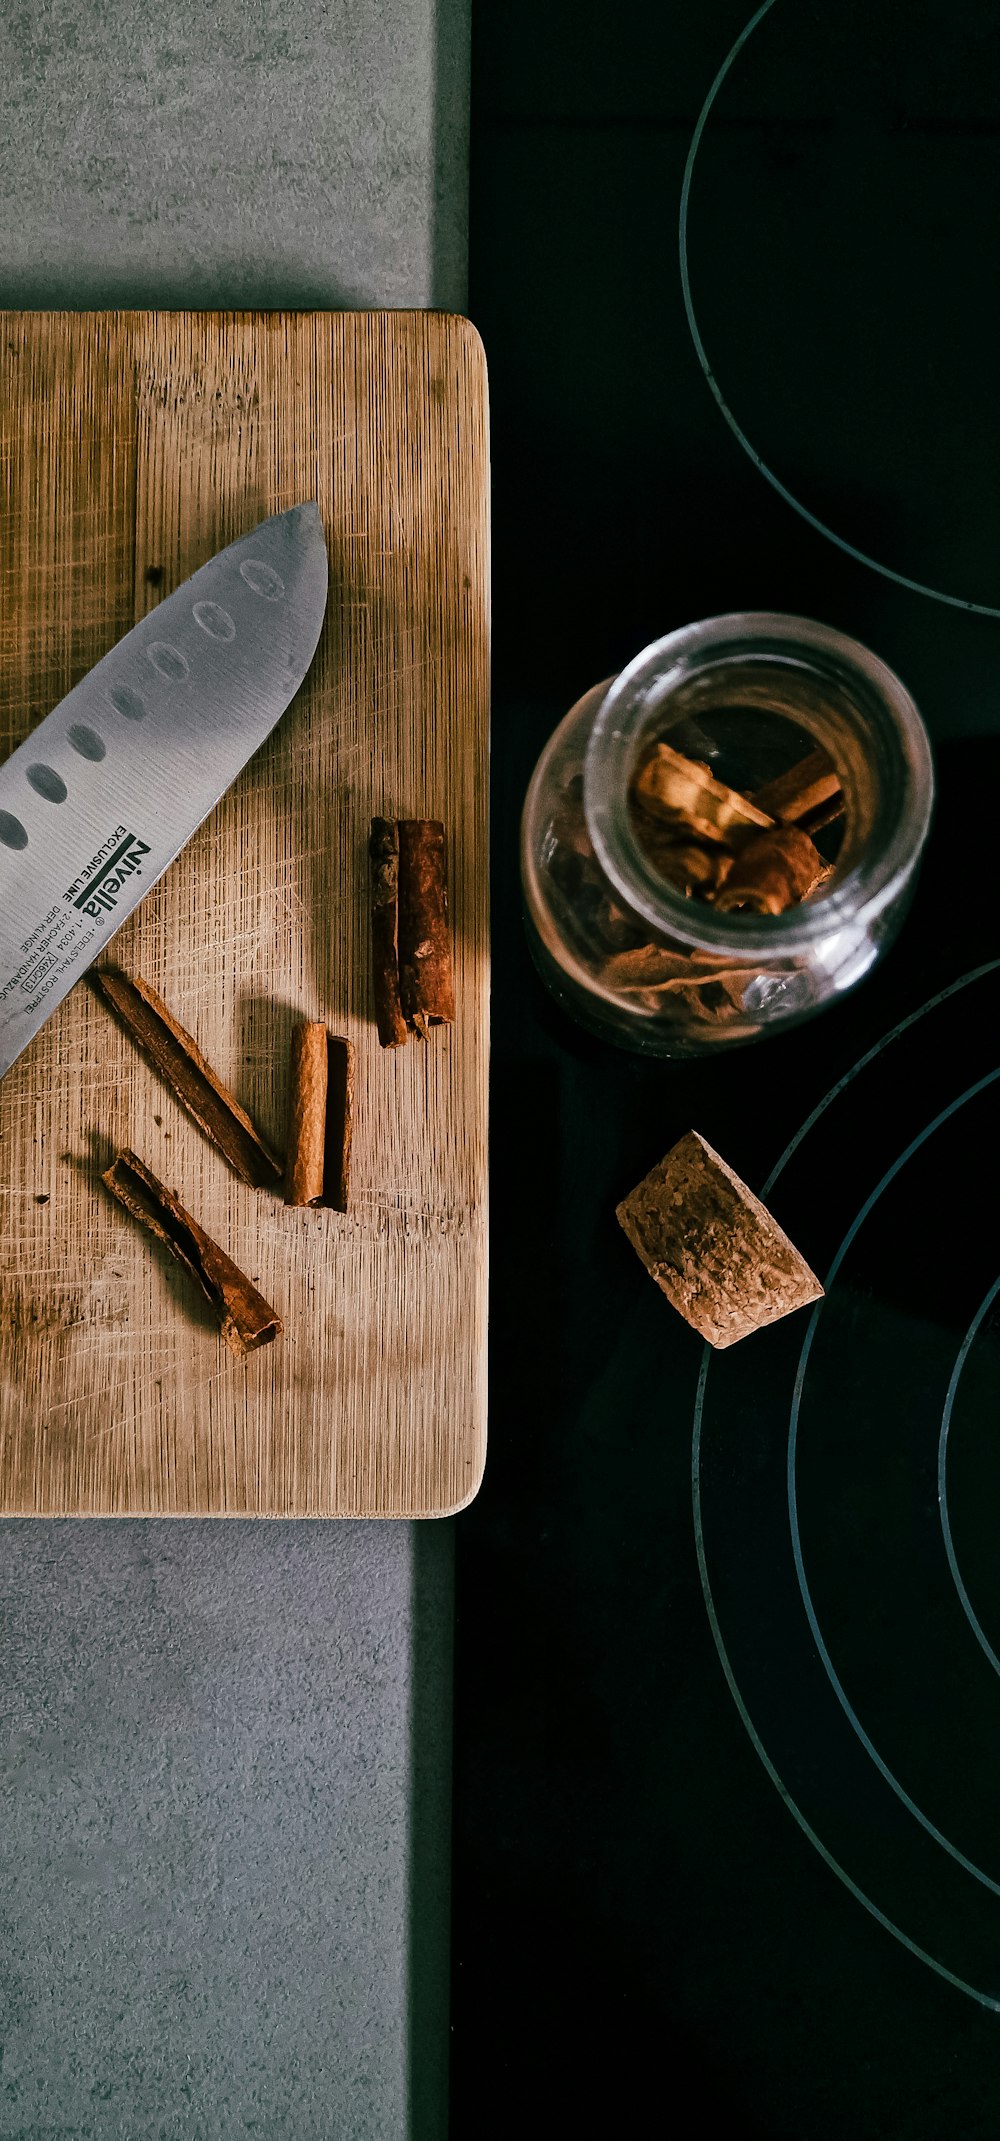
635, 956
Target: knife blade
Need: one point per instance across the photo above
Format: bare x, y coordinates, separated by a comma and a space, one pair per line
104, 793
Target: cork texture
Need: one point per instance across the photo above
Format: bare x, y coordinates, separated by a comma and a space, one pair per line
712, 1247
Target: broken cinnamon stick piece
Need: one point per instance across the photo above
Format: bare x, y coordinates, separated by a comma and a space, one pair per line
691, 867
245, 1319
695, 867
824, 814
712, 1247
178, 1060
802, 790
318, 1167
320, 1122
307, 1122
772, 872
649, 966
383, 850
685, 792
426, 988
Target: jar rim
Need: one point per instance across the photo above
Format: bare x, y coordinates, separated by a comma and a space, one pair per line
871, 883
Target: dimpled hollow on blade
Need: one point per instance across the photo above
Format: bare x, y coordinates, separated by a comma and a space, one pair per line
103, 795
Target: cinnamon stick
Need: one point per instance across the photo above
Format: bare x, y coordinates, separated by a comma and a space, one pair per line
426, 988
383, 850
686, 793
178, 1060
825, 814
650, 966
778, 869
317, 1170
307, 1123
695, 867
245, 1319
802, 790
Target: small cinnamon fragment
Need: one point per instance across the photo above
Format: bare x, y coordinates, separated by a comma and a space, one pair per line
650, 966
426, 988
245, 1319
685, 792
708, 986
716, 998
383, 849
176, 1056
802, 790
319, 1138
825, 814
695, 867
776, 870
690, 987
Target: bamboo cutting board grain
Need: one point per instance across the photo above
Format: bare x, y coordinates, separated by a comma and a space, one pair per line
133, 446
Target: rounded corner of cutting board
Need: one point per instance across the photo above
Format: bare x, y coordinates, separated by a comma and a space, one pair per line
467, 1497
467, 334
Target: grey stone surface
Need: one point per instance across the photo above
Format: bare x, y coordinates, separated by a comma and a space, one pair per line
246, 153
225, 1747
223, 1830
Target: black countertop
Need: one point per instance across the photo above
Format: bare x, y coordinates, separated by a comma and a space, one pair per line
725, 1790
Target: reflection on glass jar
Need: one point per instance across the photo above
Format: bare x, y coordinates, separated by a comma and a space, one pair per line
724, 838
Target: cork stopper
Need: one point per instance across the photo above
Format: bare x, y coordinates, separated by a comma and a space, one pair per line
712, 1247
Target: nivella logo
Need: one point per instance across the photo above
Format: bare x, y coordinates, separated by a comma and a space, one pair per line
104, 891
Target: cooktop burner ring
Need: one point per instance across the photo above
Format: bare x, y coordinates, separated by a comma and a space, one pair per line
949, 1544
945, 1115
861, 557
978, 1992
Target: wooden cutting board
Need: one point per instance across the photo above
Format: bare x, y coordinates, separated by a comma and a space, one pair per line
133, 446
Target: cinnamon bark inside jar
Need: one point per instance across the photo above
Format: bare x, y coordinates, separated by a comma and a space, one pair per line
724, 838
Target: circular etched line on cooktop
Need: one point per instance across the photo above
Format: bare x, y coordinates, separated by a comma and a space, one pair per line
822, 527
940, 1969
969, 1866
913, 1947
949, 1544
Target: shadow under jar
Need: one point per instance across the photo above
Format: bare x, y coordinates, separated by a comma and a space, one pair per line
649, 959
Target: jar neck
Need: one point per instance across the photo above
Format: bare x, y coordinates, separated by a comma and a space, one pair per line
823, 682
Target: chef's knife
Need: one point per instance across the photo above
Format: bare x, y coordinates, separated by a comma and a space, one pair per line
106, 790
